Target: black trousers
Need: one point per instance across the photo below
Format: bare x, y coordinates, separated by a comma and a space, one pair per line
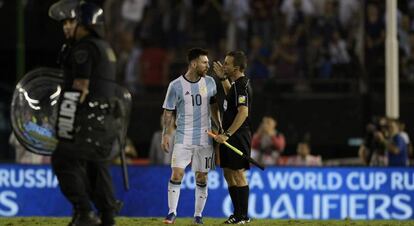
84, 181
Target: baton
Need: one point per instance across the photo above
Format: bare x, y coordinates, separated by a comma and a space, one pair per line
248, 158
124, 167
123, 143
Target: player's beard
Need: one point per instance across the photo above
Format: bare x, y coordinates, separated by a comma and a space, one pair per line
202, 73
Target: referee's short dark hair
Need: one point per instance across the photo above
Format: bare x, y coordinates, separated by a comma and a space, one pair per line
239, 59
194, 53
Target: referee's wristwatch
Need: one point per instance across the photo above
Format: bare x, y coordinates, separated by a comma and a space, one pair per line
227, 134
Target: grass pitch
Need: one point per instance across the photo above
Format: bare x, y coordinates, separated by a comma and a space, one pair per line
124, 221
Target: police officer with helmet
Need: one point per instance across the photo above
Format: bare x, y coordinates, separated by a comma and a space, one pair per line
87, 118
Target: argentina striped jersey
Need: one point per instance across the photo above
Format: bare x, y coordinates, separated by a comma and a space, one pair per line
191, 100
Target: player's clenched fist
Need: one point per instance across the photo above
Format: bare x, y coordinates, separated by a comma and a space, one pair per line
165, 143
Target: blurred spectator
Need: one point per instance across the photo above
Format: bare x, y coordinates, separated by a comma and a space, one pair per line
268, 143
410, 6
340, 57
396, 146
127, 61
132, 12
176, 22
258, 65
122, 18
285, 58
22, 155
372, 151
212, 29
319, 62
132, 71
279, 25
411, 40
328, 22
298, 33
152, 29
261, 18
304, 157
114, 22
291, 7
406, 138
408, 65
154, 65
404, 36
236, 14
157, 156
348, 10
374, 41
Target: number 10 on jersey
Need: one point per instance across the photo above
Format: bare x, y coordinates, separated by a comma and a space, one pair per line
196, 99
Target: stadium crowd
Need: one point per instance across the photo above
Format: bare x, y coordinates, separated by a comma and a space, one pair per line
283, 38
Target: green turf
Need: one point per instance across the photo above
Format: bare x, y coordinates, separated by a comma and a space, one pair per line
123, 221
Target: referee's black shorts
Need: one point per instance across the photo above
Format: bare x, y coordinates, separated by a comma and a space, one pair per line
230, 159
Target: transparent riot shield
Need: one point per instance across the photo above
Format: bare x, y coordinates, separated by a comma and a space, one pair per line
35, 108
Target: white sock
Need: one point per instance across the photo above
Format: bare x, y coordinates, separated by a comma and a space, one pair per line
173, 196
201, 193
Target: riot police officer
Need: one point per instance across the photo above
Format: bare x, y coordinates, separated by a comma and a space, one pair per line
85, 117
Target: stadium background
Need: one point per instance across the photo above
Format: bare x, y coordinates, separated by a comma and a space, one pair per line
330, 102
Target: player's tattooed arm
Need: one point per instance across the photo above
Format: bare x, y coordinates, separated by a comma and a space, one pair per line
167, 125
167, 121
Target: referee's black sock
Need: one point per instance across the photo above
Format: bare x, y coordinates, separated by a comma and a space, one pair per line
244, 200
233, 191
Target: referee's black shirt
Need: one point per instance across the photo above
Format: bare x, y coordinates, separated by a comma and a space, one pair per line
240, 94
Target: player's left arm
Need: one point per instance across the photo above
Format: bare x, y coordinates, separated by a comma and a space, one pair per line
167, 125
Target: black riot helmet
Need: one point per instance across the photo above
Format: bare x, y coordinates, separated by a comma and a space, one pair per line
63, 10
86, 14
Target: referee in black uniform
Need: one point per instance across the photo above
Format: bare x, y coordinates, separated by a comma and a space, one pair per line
236, 125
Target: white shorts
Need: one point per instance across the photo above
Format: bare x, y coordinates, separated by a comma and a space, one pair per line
200, 157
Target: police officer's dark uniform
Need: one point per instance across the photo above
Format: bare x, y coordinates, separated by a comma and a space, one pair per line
81, 159
238, 95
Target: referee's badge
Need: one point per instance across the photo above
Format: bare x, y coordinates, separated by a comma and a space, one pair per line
241, 99
225, 105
